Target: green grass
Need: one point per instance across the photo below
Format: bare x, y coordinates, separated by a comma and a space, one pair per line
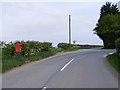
81, 47
89, 46
114, 60
55, 50
10, 63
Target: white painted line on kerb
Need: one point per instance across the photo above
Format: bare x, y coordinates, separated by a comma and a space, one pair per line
105, 55
44, 88
108, 54
66, 64
111, 52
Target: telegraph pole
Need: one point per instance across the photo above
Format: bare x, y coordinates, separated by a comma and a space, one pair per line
69, 29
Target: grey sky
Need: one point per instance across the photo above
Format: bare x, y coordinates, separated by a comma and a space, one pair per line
119, 5
48, 21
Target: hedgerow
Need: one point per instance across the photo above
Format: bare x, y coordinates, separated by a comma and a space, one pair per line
28, 48
64, 45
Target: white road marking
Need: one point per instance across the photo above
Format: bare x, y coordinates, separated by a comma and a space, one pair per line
66, 64
111, 52
44, 88
105, 55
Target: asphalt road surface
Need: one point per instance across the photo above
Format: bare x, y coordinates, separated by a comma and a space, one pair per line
86, 68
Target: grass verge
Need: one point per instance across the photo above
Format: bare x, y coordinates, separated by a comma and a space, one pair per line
114, 60
12, 62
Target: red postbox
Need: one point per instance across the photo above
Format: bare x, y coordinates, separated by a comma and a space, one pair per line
18, 48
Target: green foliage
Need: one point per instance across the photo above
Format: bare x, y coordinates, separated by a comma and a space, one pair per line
9, 49
109, 8
28, 48
10, 63
46, 46
64, 45
108, 29
118, 45
88, 46
108, 26
55, 50
114, 60
72, 48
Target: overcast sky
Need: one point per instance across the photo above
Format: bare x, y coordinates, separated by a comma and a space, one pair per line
48, 21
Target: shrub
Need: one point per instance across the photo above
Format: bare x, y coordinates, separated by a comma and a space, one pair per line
64, 45
46, 46
9, 49
28, 48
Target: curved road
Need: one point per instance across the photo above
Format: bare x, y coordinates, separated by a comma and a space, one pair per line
85, 68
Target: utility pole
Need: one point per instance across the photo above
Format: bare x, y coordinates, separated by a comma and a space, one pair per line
69, 29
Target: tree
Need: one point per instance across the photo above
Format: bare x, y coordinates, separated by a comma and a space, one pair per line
109, 8
108, 26
108, 29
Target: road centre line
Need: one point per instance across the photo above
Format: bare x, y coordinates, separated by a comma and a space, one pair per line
66, 65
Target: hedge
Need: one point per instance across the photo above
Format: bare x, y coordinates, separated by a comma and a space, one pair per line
64, 45
28, 48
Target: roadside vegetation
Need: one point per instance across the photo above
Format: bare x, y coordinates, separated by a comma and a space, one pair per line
32, 51
72, 47
114, 59
108, 26
108, 29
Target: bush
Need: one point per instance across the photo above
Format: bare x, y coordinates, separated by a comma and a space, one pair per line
64, 45
9, 49
28, 48
46, 46
118, 45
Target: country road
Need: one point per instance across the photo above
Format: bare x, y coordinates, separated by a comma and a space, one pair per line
85, 68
